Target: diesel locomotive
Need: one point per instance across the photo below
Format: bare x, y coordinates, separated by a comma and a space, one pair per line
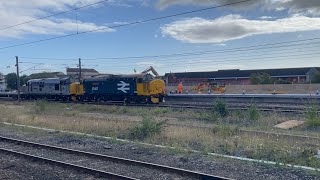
128, 88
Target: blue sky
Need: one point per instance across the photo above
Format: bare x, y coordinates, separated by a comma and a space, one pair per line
218, 31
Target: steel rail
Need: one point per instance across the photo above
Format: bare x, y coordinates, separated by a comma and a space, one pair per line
200, 106
184, 105
94, 172
163, 168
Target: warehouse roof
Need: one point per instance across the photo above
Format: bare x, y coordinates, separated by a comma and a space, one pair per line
285, 72
82, 70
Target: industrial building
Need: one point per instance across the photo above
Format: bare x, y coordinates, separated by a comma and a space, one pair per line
237, 76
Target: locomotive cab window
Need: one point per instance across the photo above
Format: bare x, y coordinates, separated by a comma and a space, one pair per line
56, 87
139, 80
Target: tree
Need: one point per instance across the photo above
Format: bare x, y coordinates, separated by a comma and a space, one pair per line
23, 79
261, 78
11, 80
316, 78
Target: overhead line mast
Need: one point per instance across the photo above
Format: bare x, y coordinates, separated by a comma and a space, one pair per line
18, 78
80, 73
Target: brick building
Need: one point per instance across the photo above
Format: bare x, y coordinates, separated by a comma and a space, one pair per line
237, 76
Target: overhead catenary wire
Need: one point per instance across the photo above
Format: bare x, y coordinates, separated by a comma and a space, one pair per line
275, 60
263, 46
125, 24
229, 60
228, 50
55, 14
226, 57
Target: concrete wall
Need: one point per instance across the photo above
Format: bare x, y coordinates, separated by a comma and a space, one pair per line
262, 89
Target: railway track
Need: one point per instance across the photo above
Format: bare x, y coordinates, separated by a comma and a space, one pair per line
231, 106
95, 164
237, 105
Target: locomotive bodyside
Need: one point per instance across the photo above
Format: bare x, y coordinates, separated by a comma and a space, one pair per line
128, 88
154, 89
111, 87
50, 88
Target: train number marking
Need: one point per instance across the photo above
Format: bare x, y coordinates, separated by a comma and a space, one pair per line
122, 86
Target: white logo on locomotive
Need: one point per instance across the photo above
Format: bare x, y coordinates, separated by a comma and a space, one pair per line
123, 87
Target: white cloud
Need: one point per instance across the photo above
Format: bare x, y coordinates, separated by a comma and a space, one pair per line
294, 6
162, 4
199, 30
149, 63
16, 11
266, 17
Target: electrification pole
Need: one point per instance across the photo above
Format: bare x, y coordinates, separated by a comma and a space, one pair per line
80, 70
18, 78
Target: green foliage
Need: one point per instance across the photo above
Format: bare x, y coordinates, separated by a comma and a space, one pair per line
220, 106
224, 130
282, 81
147, 128
11, 80
313, 118
261, 78
40, 106
253, 113
239, 114
24, 79
316, 78
277, 153
159, 110
208, 116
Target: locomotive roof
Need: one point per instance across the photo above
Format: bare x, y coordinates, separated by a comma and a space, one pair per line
49, 80
115, 76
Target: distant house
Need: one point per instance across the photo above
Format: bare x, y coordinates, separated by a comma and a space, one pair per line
74, 72
3, 84
237, 76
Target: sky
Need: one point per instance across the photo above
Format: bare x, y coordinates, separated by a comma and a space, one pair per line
250, 35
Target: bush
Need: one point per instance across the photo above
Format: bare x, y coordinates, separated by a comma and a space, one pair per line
239, 115
313, 118
211, 116
147, 128
221, 107
254, 113
160, 110
40, 106
261, 78
282, 81
316, 78
225, 130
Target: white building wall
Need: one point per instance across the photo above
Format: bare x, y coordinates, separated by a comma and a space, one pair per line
3, 84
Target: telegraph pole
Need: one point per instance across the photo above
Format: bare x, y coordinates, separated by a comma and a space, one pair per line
18, 78
79, 69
